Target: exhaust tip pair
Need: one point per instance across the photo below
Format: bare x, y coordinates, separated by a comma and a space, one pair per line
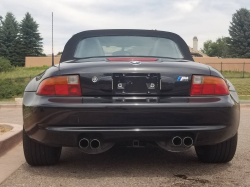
85, 143
186, 141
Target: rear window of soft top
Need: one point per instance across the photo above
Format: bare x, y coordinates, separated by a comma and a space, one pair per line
117, 46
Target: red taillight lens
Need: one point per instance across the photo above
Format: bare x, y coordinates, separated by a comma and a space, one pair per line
207, 85
61, 85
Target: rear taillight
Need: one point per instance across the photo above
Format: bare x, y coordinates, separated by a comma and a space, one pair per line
207, 85
61, 85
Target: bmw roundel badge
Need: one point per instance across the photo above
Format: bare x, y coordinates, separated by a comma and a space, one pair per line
94, 79
135, 62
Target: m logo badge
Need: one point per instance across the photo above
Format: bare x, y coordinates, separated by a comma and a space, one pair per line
182, 78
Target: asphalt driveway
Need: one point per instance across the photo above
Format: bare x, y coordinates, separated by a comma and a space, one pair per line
149, 166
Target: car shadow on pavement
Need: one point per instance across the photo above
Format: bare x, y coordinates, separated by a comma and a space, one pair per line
128, 162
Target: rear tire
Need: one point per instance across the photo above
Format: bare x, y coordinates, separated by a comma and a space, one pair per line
37, 154
219, 153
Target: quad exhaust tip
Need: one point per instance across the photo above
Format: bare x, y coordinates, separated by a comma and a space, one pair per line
84, 143
176, 141
188, 141
95, 144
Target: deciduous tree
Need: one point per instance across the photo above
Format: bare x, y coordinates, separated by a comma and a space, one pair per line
219, 48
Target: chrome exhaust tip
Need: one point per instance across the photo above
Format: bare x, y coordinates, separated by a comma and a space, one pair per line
95, 144
176, 141
188, 141
84, 143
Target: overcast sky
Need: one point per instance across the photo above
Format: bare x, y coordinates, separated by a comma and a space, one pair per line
206, 19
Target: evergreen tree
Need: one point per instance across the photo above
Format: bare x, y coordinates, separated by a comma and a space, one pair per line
31, 42
9, 38
240, 34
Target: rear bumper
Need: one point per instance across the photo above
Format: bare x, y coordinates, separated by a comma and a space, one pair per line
63, 122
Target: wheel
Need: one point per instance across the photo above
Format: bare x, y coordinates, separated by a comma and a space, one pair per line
37, 154
219, 153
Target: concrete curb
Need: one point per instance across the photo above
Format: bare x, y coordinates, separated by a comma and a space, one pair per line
10, 105
245, 102
11, 138
13, 104
11, 161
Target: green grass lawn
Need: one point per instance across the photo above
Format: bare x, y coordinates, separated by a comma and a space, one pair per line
244, 97
7, 100
242, 85
20, 72
235, 74
13, 83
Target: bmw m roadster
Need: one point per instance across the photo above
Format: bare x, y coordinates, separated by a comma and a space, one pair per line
132, 88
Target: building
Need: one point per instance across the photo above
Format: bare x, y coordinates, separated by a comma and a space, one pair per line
194, 51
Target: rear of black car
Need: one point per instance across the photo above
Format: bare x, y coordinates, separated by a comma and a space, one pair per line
129, 87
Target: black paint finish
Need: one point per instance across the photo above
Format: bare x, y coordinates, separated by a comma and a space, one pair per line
134, 112
61, 121
105, 71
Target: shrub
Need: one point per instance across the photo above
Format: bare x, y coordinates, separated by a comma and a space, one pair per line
12, 87
5, 65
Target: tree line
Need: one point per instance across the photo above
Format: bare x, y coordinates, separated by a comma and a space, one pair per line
18, 40
237, 45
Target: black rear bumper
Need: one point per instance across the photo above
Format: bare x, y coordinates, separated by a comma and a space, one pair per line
63, 122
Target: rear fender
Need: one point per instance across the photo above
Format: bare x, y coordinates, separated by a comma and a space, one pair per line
34, 83
232, 90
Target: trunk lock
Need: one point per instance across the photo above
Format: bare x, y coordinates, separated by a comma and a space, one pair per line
94, 79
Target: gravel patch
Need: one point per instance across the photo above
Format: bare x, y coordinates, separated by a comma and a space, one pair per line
4, 129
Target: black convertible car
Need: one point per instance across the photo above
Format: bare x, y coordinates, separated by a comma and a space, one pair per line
131, 88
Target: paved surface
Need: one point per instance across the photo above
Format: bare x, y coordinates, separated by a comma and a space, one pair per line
11, 161
11, 115
137, 167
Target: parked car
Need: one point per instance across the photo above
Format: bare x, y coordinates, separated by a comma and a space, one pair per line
133, 88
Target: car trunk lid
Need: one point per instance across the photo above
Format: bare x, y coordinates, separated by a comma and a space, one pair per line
116, 77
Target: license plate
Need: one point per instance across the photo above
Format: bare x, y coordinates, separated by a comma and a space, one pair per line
135, 84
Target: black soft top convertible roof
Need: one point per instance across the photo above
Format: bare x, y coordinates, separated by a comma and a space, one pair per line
69, 49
